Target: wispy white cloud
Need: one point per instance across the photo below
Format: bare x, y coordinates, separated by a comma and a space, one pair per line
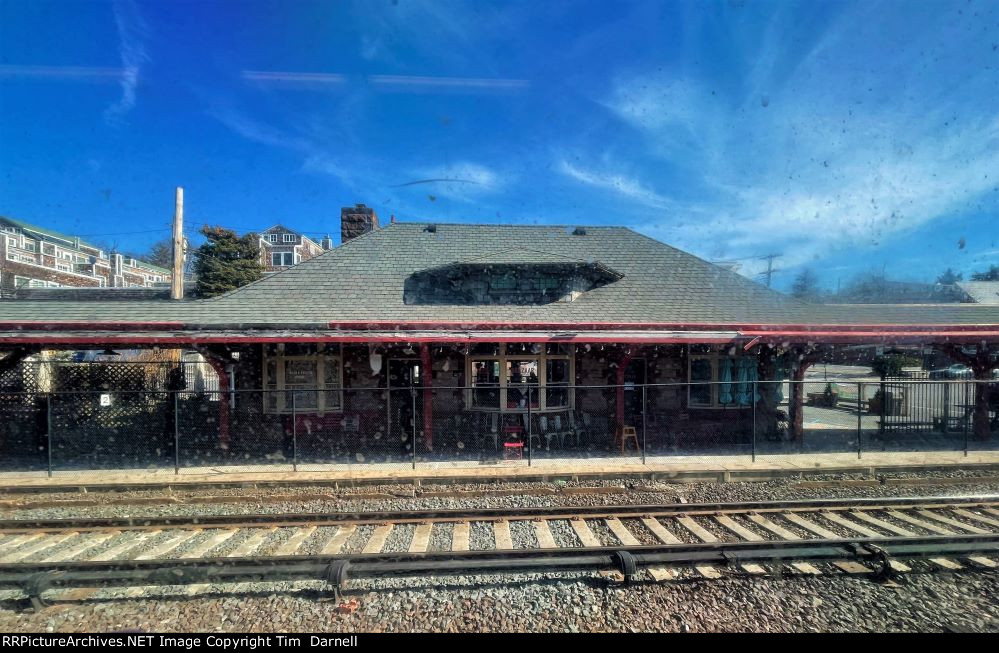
676, 110
258, 131
465, 171
324, 163
319, 152
463, 181
132, 32
616, 183
816, 159
442, 31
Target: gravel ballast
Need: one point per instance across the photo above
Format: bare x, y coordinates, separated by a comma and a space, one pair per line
919, 603
405, 497
923, 602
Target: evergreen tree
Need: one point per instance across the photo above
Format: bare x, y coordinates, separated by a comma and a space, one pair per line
992, 274
889, 365
226, 261
949, 277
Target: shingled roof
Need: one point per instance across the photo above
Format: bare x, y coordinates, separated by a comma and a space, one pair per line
363, 281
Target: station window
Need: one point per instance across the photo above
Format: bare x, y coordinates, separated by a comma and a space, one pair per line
505, 378
306, 378
720, 380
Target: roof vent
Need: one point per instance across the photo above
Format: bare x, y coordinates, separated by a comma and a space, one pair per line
431, 228
579, 231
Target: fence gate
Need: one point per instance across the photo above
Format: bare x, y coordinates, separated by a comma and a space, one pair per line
943, 406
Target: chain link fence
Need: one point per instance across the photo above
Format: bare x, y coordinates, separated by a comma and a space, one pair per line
409, 427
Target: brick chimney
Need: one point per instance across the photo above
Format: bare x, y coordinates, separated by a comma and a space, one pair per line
356, 220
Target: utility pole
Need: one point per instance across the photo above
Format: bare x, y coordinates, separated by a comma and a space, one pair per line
770, 266
177, 274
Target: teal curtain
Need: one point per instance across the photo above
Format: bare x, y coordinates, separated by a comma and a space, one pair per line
725, 377
742, 388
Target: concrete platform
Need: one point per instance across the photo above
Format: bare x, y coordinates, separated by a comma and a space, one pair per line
681, 469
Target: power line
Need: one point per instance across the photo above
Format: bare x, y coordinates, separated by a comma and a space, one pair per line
122, 233
769, 258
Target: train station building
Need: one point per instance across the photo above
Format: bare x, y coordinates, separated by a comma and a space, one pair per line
449, 340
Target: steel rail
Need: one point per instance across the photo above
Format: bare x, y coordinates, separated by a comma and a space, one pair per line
35, 578
482, 514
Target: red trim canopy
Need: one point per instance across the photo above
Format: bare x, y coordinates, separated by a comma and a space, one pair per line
148, 334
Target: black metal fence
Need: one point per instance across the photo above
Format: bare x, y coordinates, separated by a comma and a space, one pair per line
466, 426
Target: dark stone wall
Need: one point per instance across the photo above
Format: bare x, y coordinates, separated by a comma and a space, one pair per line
668, 418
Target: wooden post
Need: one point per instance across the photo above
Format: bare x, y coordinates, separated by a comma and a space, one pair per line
177, 273
797, 391
796, 403
622, 367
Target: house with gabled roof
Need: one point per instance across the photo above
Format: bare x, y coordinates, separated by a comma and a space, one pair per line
281, 247
447, 334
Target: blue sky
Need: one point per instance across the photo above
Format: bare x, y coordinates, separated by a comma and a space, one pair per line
844, 136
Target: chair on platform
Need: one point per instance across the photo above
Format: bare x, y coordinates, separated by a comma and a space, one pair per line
587, 427
625, 434
563, 430
576, 428
490, 429
546, 432
532, 428
513, 441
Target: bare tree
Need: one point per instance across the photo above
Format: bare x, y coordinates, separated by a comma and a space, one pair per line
806, 286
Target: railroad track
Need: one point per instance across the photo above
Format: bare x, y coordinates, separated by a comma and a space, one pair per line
859, 536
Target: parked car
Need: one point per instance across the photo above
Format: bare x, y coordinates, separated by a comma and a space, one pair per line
956, 371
